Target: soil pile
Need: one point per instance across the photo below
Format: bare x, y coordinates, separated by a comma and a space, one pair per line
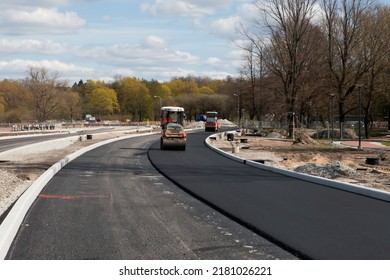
304, 139
331, 170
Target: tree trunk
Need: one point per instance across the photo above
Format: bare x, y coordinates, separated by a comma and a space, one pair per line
290, 121
366, 126
388, 117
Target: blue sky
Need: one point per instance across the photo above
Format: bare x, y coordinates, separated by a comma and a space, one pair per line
101, 39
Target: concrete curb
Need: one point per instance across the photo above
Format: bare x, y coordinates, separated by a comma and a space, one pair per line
9, 227
385, 196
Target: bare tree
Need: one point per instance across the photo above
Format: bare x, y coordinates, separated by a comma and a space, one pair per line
382, 105
344, 26
254, 72
375, 50
72, 104
44, 87
385, 90
288, 53
254, 69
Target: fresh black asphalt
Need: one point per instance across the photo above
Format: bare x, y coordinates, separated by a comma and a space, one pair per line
111, 203
311, 220
95, 208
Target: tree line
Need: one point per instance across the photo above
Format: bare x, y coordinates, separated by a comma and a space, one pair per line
309, 58
304, 61
42, 96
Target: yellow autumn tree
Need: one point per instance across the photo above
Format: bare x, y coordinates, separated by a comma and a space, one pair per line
103, 101
15, 101
206, 90
180, 87
134, 98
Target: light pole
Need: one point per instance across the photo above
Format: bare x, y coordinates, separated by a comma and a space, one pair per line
238, 108
293, 125
160, 103
159, 97
360, 116
332, 111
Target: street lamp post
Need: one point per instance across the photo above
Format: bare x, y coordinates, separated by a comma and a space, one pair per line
238, 108
293, 126
360, 114
332, 110
160, 100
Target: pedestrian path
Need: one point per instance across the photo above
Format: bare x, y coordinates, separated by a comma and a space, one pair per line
366, 144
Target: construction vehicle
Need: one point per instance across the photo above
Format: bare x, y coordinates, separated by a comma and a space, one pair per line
211, 123
173, 135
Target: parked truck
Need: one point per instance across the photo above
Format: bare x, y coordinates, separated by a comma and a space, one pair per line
211, 123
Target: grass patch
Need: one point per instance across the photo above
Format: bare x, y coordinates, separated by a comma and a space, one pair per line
386, 143
378, 132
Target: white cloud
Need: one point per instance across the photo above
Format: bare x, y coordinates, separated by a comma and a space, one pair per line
172, 8
4, 4
189, 8
215, 74
60, 66
225, 27
248, 12
117, 60
154, 42
111, 44
31, 46
17, 66
39, 21
130, 55
160, 64
29, 3
14, 66
213, 61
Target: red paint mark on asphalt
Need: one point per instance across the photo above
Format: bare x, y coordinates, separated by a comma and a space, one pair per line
56, 196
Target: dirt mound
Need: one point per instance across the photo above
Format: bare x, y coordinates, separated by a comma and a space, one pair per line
319, 159
304, 139
225, 122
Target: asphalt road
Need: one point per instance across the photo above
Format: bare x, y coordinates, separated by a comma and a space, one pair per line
111, 203
9, 143
310, 220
